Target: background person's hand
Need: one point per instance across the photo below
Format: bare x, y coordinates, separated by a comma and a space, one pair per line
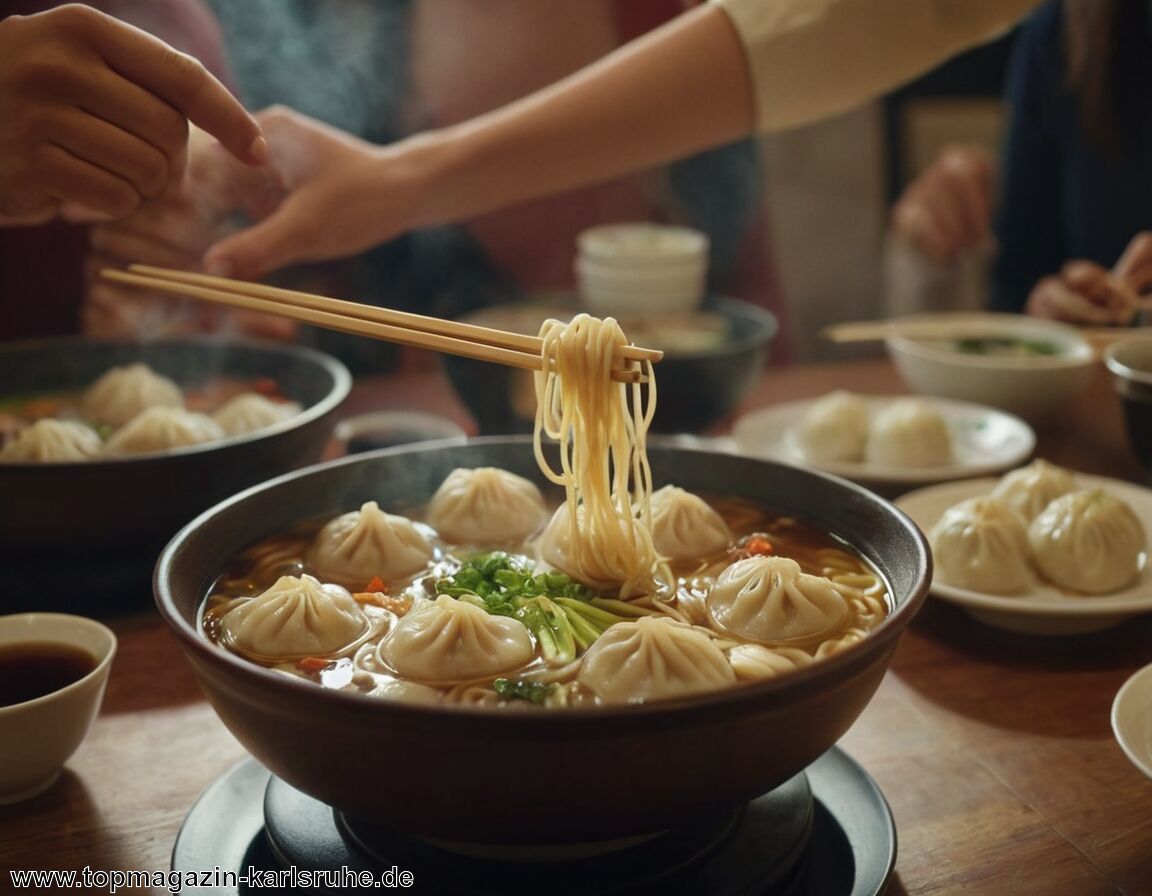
172, 230
338, 195
1135, 265
95, 115
1082, 293
1087, 293
947, 209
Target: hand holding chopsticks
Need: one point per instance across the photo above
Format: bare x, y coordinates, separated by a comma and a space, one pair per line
452, 337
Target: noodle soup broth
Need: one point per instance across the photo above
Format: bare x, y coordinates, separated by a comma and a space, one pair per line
661, 639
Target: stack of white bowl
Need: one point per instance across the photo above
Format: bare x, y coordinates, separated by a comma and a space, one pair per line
636, 268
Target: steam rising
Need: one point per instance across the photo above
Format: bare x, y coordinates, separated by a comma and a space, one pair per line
341, 61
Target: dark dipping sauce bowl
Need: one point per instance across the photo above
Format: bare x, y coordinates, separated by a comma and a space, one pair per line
104, 520
1130, 362
490, 775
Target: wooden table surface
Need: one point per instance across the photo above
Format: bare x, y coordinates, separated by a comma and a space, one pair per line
994, 750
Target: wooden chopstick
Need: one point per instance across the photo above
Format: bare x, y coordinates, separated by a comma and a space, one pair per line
453, 337
876, 330
408, 320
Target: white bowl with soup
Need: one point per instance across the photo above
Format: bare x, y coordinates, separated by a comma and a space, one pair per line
1024, 365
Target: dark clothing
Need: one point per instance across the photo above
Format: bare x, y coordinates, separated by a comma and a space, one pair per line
1063, 198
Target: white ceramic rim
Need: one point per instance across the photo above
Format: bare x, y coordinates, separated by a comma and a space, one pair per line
625, 270
428, 425
1114, 361
1078, 352
636, 239
784, 417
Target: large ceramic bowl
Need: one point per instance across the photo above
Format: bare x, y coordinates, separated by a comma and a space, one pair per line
105, 520
486, 775
1032, 385
701, 379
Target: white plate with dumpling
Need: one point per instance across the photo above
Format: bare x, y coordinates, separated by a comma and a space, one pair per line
887, 439
1092, 537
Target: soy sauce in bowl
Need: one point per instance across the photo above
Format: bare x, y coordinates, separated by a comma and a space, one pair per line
36, 668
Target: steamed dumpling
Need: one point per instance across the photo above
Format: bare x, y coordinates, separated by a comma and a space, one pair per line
835, 428
684, 526
295, 618
53, 441
123, 392
771, 600
594, 570
404, 691
486, 504
250, 411
982, 544
653, 659
451, 640
1089, 541
1032, 488
162, 429
909, 433
356, 547
755, 662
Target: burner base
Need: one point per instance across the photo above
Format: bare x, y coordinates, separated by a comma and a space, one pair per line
827, 832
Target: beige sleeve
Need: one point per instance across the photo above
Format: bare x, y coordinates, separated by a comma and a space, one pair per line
813, 58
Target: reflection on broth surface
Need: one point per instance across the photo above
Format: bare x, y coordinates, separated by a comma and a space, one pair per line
491, 623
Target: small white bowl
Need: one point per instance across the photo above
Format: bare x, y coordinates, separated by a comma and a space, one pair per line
653, 282
1031, 386
639, 242
40, 735
600, 300
628, 270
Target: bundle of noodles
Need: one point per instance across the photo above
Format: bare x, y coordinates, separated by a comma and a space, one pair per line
605, 523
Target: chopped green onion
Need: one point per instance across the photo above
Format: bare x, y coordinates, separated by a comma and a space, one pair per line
519, 689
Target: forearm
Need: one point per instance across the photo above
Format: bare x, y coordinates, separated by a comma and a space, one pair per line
677, 91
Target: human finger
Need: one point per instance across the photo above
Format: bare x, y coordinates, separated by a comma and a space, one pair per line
922, 219
970, 188
1140, 278
105, 146
108, 311
1087, 278
1053, 298
181, 81
77, 213
139, 248
1136, 255
277, 241
67, 177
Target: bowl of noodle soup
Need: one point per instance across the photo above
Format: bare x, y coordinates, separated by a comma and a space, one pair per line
687, 686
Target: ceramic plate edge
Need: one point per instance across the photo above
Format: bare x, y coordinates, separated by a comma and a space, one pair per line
789, 414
